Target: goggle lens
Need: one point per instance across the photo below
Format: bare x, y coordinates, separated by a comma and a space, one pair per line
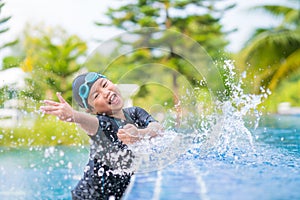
84, 88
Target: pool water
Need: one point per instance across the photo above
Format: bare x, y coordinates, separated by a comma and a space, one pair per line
269, 170
40, 173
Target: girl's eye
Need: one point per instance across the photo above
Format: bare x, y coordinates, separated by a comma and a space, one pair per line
96, 95
105, 84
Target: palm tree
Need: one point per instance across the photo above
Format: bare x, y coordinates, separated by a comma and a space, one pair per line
203, 27
273, 54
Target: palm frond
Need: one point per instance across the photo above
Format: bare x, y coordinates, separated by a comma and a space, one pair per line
1, 4
5, 19
275, 10
4, 30
9, 44
292, 17
278, 40
291, 64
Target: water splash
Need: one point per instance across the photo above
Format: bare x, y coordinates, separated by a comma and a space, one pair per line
227, 131
224, 133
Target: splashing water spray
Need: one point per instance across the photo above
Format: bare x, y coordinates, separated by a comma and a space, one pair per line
200, 128
226, 131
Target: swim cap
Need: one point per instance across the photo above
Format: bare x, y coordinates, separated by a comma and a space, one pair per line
82, 85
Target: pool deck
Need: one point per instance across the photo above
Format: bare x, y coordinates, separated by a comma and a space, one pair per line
285, 108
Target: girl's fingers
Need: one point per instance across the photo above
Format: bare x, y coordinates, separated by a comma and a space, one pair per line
52, 103
127, 126
58, 114
60, 109
52, 112
61, 99
121, 132
123, 138
49, 108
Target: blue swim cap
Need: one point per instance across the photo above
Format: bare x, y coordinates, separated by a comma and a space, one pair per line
81, 87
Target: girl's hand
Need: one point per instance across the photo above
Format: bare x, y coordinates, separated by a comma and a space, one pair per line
60, 109
128, 134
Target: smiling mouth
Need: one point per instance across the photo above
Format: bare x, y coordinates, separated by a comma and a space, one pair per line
113, 99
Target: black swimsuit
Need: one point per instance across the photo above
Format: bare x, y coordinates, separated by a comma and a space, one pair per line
108, 171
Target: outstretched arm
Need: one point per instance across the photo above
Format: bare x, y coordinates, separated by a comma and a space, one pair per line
66, 113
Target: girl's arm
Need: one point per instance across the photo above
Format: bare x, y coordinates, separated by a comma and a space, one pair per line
65, 112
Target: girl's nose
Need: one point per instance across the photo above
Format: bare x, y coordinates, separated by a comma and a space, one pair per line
106, 93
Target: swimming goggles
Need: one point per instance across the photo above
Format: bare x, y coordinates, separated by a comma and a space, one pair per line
84, 89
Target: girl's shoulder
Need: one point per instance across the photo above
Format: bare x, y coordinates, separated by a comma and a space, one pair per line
134, 109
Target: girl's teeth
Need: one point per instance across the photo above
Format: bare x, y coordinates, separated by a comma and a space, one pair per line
112, 98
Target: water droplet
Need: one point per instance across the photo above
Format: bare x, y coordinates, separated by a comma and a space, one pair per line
100, 171
69, 165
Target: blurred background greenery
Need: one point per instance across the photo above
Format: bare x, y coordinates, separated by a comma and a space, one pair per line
51, 58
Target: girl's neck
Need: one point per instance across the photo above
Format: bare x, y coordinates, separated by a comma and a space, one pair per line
118, 114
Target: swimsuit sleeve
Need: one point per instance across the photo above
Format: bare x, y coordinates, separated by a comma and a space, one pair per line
141, 117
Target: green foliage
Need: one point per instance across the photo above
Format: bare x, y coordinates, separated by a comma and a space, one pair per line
156, 94
4, 29
287, 91
202, 26
46, 131
8, 93
290, 15
3, 95
51, 57
272, 54
10, 61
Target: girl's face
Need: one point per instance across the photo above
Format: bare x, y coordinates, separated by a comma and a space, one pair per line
105, 97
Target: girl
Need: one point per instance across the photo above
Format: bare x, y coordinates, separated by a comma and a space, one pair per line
110, 127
